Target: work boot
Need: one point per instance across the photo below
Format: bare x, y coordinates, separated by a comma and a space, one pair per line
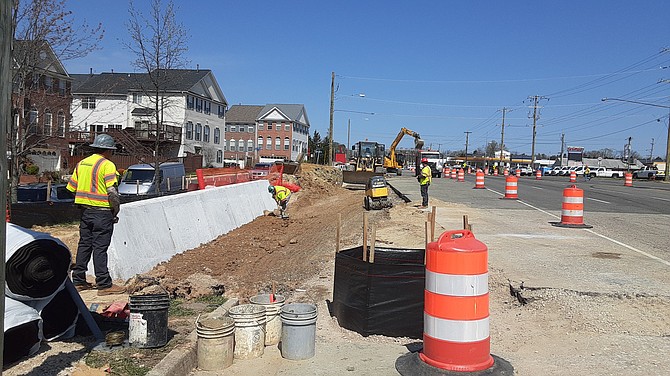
111, 290
83, 286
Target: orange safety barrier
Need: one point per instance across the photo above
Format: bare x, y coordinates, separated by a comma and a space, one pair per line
628, 179
479, 180
456, 305
220, 176
447, 171
538, 174
506, 172
573, 177
469, 170
461, 175
495, 172
511, 187
518, 173
453, 174
572, 210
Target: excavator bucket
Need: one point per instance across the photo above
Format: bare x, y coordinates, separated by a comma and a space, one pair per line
357, 179
418, 143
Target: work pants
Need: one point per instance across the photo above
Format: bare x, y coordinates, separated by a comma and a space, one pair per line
95, 235
424, 195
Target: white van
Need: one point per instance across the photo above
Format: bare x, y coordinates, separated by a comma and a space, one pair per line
139, 179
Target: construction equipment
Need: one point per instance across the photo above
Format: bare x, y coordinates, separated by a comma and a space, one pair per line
367, 161
394, 162
376, 194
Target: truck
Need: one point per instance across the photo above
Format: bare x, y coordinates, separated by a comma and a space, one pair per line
434, 161
603, 172
394, 162
646, 172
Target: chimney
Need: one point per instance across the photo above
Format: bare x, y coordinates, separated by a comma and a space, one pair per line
90, 71
197, 67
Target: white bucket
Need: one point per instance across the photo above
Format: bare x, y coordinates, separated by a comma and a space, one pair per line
249, 330
272, 319
215, 343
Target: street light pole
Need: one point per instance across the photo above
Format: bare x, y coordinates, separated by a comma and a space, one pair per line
667, 147
330, 130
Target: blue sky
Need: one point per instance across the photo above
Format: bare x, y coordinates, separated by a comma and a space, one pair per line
440, 68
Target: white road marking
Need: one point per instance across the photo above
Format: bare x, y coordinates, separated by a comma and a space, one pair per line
595, 199
659, 198
540, 236
536, 187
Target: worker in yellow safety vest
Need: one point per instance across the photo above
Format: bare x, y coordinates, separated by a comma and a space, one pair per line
281, 195
425, 177
93, 183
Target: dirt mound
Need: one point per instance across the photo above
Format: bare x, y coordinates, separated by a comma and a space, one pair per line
319, 177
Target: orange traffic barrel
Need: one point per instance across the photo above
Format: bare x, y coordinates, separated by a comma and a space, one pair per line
469, 170
461, 175
538, 174
518, 173
628, 179
453, 174
511, 187
573, 177
479, 180
495, 172
506, 172
572, 210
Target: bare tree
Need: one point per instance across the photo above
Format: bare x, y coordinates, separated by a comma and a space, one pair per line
45, 34
159, 44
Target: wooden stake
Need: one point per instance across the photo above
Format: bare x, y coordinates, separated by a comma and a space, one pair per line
466, 223
365, 236
426, 244
48, 190
432, 225
372, 244
337, 234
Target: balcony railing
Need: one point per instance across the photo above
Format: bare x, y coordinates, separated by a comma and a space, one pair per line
168, 133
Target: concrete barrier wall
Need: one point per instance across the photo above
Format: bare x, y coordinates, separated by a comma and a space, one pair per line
152, 231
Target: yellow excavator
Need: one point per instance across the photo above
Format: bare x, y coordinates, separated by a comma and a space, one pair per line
394, 162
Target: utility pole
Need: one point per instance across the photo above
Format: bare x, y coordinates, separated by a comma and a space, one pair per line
629, 153
502, 139
332, 109
6, 34
651, 153
467, 136
535, 99
348, 136
562, 147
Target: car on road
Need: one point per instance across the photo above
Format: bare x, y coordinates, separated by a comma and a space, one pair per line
260, 171
646, 172
554, 171
565, 170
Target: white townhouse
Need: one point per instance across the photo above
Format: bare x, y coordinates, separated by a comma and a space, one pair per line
191, 103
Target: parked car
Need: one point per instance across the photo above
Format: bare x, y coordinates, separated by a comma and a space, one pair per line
139, 179
564, 170
38, 193
554, 171
646, 173
260, 171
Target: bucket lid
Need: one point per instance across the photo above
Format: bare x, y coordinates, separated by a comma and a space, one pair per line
298, 310
215, 323
247, 309
265, 299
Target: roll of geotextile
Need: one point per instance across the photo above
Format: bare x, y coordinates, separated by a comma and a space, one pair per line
23, 331
36, 264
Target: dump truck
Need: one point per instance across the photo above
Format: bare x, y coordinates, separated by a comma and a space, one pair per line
394, 162
367, 161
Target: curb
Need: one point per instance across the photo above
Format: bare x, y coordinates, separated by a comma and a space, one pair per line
183, 359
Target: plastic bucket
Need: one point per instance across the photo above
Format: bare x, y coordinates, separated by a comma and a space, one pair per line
249, 330
215, 343
148, 322
272, 319
298, 335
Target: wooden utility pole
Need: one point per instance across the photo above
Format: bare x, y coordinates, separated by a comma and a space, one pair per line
502, 139
332, 109
467, 136
532, 151
6, 35
562, 147
348, 136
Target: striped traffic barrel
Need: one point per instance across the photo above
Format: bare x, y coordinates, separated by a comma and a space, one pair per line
511, 187
572, 210
628, 179
495, 172
461, 175
479, 180
453, 174
506, 172
538, 174
469, 170
456, 304
518, 173
573, 177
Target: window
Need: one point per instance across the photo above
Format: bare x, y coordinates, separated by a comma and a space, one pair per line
189, 130
219, 156
61, 89
205, 135
113, 127
287, 127
48, 84
250, 129
198, 131
225, 145
61, 124
277, 143
32, 120
47, 122
137, 98
261, 126
268, 144
208, 107
233, 128
190, 102
217, 135
286, 143
260, 142
198, 104
88, 103
222, 111
250, 145
240, 145
270, 126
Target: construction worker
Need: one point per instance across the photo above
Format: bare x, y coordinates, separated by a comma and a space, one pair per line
281, 195
425, 178
587, 173
93, 183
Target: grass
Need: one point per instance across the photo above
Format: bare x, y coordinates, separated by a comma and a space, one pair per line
177, 309
120, 364
212, 301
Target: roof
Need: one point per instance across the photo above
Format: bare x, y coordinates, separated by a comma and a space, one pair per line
294, 112
241, 113
37, 54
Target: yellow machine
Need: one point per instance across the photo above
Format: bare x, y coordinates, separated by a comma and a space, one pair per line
394, 162
376, 194
367, 161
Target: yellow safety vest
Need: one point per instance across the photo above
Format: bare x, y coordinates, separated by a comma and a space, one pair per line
281, 192
90, 180
426, 175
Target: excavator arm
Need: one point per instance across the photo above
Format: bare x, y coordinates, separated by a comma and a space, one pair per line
391, 161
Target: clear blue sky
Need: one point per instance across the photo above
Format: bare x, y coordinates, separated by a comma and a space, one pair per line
440, 68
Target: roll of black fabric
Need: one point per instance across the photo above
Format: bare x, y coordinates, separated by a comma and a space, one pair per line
37, 269
59, 315
20, 340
